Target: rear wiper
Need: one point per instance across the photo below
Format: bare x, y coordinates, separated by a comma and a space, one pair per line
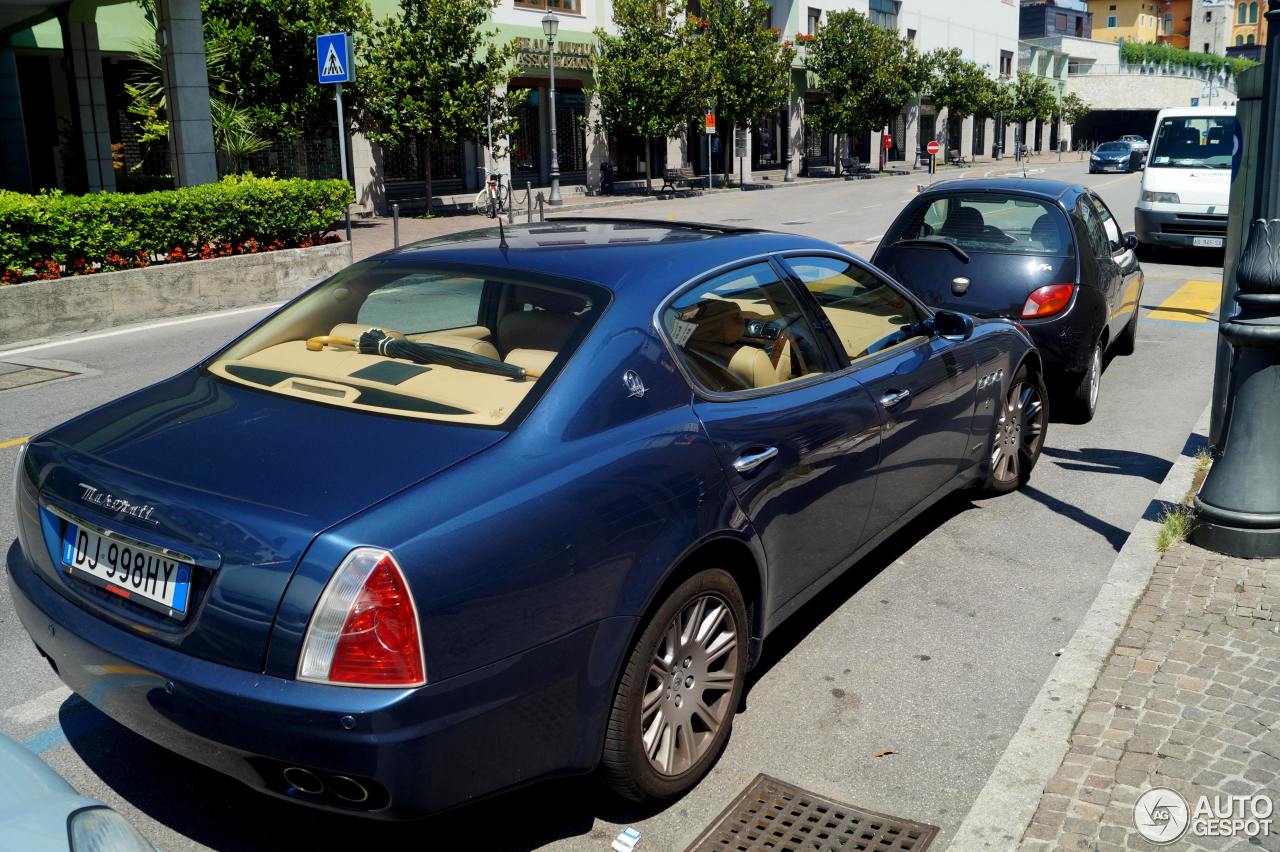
918, 241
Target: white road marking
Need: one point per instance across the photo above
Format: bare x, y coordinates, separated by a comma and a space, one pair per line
837, 212
39, 708
869, 206
135, 329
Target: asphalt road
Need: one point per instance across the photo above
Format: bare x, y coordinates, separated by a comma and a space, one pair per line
932, 649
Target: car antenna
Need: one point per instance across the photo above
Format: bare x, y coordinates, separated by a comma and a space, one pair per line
502, 236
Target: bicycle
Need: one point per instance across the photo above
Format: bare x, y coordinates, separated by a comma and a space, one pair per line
495, 198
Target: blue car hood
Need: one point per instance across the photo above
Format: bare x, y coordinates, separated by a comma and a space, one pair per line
242, 480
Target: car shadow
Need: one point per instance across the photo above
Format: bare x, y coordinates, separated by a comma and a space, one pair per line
1102, 460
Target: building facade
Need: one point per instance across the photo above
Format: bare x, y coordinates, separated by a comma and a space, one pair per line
1175, 22
1048, 18
1127, 20
1249, 25
1212, 26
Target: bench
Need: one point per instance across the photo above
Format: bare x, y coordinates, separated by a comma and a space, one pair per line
854, 167
954, 158
672, 178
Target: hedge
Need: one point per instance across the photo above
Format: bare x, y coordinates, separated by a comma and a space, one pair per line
1162, 54
55, 234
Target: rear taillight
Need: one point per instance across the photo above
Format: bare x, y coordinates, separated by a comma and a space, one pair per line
1047, 300
365, 628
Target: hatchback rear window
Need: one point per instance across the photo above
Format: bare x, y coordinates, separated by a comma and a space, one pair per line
988, 222
391, 337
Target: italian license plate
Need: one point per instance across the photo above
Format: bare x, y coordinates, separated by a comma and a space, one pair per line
125, 569
1206, 242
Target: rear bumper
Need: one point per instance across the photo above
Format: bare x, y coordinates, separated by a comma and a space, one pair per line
536, 714
1174, 228
1066, 341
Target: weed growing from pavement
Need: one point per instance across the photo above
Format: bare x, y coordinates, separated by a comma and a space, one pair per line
1176, 523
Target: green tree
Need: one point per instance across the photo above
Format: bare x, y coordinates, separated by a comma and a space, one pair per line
1032, 97
650, 78
955, 84
750, 68
269, 63
866, 73
430, 76
1074, 108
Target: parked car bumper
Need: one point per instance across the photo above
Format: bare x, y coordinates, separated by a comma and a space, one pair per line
1066, 341
415, 751
1178, 228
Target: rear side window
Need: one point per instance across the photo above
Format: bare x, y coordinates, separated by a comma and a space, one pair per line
989, 222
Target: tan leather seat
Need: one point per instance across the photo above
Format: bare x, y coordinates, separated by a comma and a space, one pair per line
537, 360
715, 349
547, 325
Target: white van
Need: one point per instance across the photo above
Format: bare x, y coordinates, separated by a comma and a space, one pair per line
1187, 183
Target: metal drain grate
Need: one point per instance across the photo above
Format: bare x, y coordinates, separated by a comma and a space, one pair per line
21, 375
773, 815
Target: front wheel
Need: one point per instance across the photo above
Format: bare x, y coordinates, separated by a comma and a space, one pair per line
1019, 433
677, 696
484, 203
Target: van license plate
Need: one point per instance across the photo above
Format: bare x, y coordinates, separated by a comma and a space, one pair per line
1206, 242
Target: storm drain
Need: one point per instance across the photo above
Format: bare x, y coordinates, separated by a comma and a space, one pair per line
21, 375
773, 815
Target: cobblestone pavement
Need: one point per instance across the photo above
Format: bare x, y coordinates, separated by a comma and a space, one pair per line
1189, 700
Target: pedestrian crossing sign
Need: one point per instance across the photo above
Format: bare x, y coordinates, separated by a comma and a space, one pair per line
333, 58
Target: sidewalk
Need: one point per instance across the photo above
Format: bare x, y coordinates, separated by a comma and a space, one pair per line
1189, 700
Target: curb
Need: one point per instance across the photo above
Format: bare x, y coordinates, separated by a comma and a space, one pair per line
1004, 808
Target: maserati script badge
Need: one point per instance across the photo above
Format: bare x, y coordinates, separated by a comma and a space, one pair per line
112, 503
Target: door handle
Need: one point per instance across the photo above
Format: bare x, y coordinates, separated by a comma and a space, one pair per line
892, 398
750, 461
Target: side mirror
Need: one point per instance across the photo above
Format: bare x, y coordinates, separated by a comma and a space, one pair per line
952, 325
1130, 240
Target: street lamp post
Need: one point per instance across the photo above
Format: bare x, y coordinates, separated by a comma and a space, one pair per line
1238, 508
551, 26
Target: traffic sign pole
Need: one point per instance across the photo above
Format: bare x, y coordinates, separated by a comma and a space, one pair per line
342, 135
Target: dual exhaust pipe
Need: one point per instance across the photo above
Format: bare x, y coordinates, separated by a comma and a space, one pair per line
342, 787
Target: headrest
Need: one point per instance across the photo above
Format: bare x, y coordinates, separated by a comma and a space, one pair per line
1044, 231
555, 301
963, 220
718, 321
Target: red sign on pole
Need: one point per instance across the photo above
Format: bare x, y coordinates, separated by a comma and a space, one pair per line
886, 141
933, 148
711, 122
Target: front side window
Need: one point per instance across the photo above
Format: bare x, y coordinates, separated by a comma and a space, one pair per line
401, 338
743, 330
867, 314
988, 222
1193, 142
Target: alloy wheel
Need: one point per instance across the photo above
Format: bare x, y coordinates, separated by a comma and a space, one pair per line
1019, 432
1095, 376
689, 685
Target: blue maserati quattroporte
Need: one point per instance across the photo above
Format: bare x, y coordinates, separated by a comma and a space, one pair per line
503, 505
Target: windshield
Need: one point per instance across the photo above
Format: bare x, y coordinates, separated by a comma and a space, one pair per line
1113, 147
989, 222
1196, 142
395, 337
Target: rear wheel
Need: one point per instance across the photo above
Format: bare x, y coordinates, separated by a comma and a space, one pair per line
1084, 400
1128, 339
678, 694
1019, 433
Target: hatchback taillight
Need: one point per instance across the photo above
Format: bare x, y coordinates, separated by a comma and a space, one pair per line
1047, 300
365, 629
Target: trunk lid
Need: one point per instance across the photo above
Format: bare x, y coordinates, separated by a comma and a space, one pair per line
238, 479
998, 283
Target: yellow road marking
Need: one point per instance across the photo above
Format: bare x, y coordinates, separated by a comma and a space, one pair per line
1194, 301
15, 442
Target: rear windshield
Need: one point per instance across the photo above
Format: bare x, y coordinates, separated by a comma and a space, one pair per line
1194, 142
989, 222
387, 337
1114, 146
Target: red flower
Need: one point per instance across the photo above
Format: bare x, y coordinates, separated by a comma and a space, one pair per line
11, 276
177, 254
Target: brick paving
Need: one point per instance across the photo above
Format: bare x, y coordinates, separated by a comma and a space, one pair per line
1189, 699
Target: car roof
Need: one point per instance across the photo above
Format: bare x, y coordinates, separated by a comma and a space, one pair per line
1048, 190
610, 252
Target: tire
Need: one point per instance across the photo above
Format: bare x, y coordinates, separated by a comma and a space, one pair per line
1128, 339
1019, 433
482, 204
1084, 397
644, 705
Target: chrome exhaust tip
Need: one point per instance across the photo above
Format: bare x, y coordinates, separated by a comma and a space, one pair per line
348, 789
304, 780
